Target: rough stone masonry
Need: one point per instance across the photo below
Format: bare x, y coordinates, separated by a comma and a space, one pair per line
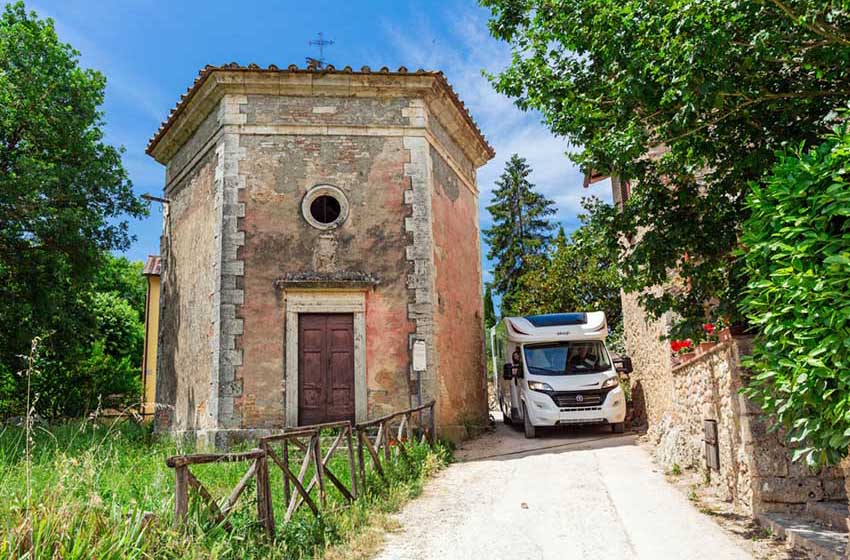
320, 226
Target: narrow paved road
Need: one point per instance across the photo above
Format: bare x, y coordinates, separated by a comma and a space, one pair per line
582, 493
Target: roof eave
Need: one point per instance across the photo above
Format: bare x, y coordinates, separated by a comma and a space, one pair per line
214, 82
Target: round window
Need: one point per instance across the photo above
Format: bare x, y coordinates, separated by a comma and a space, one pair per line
324, 207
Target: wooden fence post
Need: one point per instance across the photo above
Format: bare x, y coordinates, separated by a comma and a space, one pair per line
181, 495
432, 425
352, 465
287, 492
265, 510
320, 466
361, 460
386, 441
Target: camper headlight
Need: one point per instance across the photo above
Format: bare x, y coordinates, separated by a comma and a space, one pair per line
611, 382
539, 386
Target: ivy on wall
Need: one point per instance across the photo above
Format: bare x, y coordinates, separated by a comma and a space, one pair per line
797, 256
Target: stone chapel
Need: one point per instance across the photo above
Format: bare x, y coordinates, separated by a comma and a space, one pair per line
320, 252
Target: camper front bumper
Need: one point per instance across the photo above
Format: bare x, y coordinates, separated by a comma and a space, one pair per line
576, 407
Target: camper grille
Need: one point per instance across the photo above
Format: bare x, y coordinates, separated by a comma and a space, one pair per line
570, 399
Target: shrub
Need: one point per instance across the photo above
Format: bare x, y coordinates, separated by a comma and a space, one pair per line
797, 259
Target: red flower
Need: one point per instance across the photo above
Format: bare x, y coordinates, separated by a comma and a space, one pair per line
676, 345
708, 328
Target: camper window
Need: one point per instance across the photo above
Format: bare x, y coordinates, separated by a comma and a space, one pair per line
566, 358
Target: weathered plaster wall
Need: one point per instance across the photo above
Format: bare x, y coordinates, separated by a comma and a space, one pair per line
186, 337
278, 169
196, 146
458, 319
652, 388
276, 110
756, 471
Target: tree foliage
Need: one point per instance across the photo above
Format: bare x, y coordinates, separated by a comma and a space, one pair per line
123, 277
687, 101
489, 309
797, 242
64, 194
520, 227
106, 359
577, 274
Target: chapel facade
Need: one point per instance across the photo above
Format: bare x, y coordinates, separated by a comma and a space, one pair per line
320, 252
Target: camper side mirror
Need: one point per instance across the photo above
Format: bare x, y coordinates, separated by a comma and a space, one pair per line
508, 372
623, 364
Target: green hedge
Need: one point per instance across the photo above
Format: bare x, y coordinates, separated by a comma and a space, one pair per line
797, 259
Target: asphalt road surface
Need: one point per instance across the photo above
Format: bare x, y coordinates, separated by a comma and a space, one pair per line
569, 494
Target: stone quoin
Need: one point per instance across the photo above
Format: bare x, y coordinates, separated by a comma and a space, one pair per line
321, 224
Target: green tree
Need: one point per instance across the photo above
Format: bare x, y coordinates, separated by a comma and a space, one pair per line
577, 274
63, 195
489, 308
520, 228
124, 277
688, 102
797, 258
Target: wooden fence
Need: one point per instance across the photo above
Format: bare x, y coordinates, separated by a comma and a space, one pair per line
308, 441
184, 479
383, 441
379, 439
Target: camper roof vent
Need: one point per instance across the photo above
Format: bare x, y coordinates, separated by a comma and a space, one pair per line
558, 319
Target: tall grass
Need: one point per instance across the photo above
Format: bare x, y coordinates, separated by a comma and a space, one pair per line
103, 491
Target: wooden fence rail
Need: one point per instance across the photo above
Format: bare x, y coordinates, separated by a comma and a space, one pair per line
307, 439
184, 479
383, 443
303, 445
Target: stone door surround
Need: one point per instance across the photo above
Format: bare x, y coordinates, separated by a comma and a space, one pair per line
321, 301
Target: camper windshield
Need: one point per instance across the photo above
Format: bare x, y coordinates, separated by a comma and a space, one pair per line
565, 358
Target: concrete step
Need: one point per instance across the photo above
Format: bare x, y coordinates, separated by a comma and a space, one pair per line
803, 532
831, 514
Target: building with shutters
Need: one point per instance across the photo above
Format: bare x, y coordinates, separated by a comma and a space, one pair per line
321, 229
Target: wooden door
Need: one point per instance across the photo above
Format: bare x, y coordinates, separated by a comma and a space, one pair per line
325, 368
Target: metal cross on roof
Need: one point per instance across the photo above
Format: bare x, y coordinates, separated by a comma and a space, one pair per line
321, 42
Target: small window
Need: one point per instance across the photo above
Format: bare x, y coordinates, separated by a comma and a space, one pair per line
324, 207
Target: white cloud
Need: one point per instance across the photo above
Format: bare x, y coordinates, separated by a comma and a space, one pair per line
462, 51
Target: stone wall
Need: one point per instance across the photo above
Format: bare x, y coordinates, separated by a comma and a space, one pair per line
187, 317
458, 318
756, 471
278, 169
652, 390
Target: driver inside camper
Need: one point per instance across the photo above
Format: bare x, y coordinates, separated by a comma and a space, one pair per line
581, 358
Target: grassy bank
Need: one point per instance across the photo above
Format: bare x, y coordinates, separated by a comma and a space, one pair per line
87, 488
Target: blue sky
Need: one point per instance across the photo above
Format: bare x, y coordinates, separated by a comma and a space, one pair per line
151, 51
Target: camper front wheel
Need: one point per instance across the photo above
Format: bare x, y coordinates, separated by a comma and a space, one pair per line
618, 427
530, 432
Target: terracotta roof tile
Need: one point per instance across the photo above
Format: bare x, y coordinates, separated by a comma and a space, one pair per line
204, 73
153, 266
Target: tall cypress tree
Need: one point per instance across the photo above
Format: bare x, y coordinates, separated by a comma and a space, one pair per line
521, 228
489, 308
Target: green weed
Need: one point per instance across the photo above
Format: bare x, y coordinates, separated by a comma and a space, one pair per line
104, 491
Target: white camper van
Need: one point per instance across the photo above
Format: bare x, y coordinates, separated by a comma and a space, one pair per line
554, 370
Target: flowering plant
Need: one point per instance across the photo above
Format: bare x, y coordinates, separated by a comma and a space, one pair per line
681, 346
710, 332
